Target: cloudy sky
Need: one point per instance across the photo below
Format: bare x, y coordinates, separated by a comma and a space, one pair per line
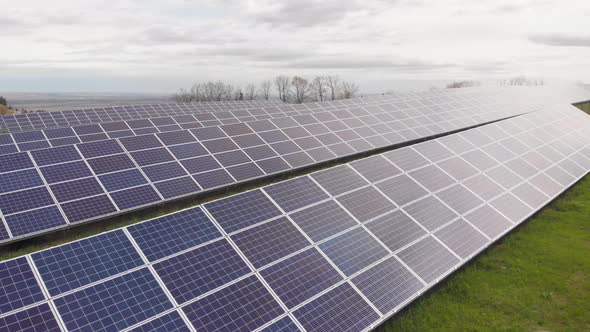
160, 46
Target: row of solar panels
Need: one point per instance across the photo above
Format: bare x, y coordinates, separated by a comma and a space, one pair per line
229, 110
53, 188
341, 249
411, 110
41, 120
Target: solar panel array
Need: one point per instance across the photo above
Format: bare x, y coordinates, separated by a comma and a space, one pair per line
55, 119
340, 249
46, 189
166, 121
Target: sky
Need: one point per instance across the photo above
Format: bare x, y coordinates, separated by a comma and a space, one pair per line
160, 46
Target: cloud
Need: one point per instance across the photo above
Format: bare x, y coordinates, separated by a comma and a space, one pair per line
561, 40
360, 63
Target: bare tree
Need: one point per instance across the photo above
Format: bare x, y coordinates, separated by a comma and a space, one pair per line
282, 84
239, 94
182, 96
301, 86
462, 84
265, 89
319, 88
333, 86
348, 90
522, 81
250, 92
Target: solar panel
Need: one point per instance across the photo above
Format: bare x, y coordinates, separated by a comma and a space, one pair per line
295, 260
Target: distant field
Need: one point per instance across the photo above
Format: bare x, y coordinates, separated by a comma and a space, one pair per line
5, 110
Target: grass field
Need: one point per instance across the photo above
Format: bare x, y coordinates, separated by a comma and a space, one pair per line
535, 279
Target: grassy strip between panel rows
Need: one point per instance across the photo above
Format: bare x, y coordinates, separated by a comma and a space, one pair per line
537, 278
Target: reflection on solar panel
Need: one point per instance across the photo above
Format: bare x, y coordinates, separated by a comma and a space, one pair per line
91, 180
55, 119
300, 258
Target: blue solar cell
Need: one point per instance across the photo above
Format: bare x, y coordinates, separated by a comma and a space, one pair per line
206, 133
13, 162
135, 197
59, 133
164, 171
150, 157
341, 309
169, 128
273, 165
18, 286
282, 325
188, 150
121, 134
87, 208
65, 172
162, 121
33, 146
171, 322
111, 163
213, 179
300, 277
8, 149
35, 221
268, 242
57, 155
177, 187
35, 319
83, 262
67, 191
353, 251
25, 200
122, 180
220, 145
142, 123
173, 233
201, 270
200, 164
19, 180
232, 158
243, 306
114, 126
297, 193
100, 148
64, 141
88, 129
243, 210
114, 304
28, 136
141, 142
94, 137
323, 220
3, 231
388, 284
6, 139
260, 152
339, 180
428, 258
176, 137
146, 131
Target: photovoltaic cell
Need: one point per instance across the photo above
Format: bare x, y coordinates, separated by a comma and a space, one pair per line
268, 242
173, 233
171, 322
353, 251
164, 171
25, 200
141, 142
462, 238
19, 180
80, 263
245, 171
177, 187
375, 168
87, 208
323, 220
341, 309
19, 288
35, 319
388, 284
133, 197
150, 157
300, 277
122, 180
430, 212
396, 230
243, 306
282, 325
428, 258
294, 194
243, 210
34, 221
459, 199
125, 301
101, 148
67, 191
366, 203
201, 270
511, 207
339, 180
16, 161
110, 164
213, 179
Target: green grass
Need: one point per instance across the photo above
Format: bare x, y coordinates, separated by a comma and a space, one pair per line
537, 278
584, 107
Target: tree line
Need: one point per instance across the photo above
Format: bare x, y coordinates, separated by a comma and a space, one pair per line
288, 89
514, 81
